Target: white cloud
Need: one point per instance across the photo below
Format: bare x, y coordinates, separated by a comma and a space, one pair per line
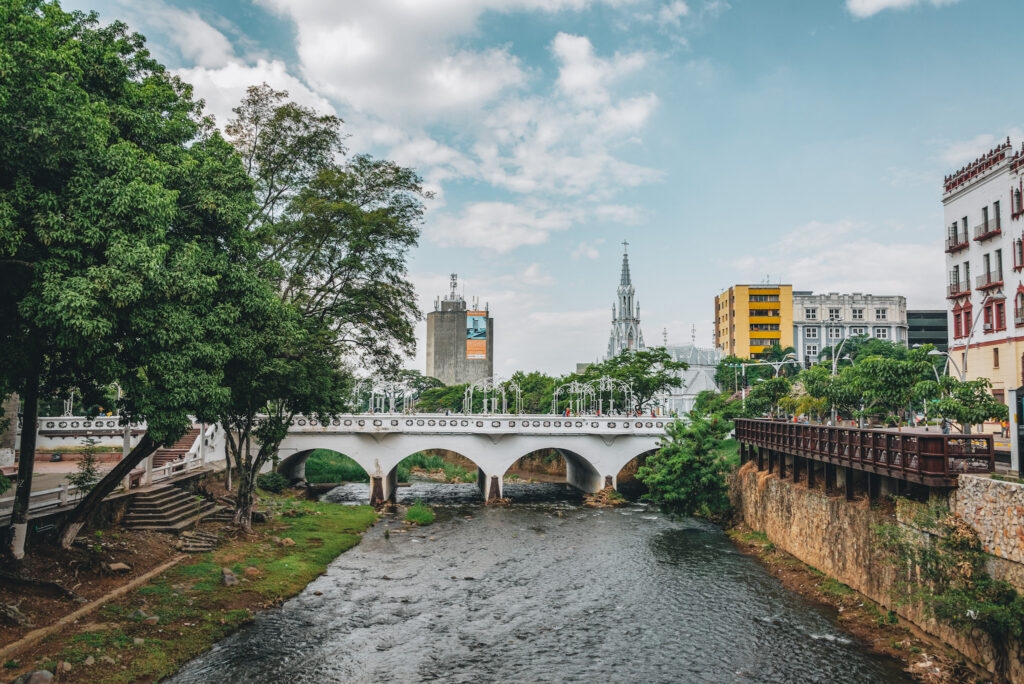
841, 257
498, 226
867, 8
584, 76
961, 152
586, 250
672, 12
224, 87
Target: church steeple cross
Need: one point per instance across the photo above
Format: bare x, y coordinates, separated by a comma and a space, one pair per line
624, 246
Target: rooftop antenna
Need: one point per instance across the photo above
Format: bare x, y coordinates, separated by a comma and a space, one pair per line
693, 334
455, 284
664, 337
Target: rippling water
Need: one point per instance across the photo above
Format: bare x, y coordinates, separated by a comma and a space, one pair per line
544, 591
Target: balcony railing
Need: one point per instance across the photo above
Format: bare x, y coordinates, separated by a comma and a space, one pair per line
990, 279
955, 243
990, 228
957, 289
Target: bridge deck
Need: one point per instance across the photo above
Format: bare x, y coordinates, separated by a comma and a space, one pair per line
930, 459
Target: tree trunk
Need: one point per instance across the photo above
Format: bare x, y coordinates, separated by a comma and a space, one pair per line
80, 516
227, 461
26, 463
243, 500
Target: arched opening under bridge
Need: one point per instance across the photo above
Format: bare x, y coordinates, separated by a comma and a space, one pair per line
626, 481
544, 468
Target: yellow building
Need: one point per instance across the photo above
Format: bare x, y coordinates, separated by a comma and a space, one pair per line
749, 319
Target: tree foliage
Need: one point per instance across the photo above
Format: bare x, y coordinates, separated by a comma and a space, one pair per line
945, 572
687, 475
647, 371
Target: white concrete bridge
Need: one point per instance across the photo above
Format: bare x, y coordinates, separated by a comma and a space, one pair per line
595, 448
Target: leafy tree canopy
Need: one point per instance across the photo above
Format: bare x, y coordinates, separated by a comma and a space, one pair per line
647, 371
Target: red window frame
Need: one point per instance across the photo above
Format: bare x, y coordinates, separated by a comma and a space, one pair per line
1000, 316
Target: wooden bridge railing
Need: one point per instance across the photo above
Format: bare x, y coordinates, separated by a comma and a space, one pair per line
930, 458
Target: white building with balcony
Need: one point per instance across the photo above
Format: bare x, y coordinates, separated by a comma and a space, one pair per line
984, 219
825, 320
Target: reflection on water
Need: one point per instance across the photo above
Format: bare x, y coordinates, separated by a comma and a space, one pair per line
542, 591
438, 494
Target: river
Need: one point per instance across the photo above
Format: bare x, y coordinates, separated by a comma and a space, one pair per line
541, 591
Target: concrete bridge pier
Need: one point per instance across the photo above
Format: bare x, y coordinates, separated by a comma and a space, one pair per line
384, 488
490, 484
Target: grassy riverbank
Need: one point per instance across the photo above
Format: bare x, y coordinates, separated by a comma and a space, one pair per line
194, 605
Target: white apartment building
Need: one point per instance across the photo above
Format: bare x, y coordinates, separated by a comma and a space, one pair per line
825, 320
984, 217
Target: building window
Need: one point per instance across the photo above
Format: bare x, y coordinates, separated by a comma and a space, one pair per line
1018, 309
764, 298
858, 314
835, 333
811, 314
881, 314
811, 333
957, 328
858, 331
882, 333
1000, 316
833, 314
811, 350
988, 318
995, 215
1018, 254
995, 357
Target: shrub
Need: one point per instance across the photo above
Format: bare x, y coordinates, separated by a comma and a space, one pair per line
419, 514
272, 482
328, 466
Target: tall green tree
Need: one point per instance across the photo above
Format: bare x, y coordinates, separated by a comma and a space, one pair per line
647, 371
338, 235
96, 144
967, 403
766, 395
686, 476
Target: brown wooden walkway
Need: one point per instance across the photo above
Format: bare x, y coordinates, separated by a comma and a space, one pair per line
930, 459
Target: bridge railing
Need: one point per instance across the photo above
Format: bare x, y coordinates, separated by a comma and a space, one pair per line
913, 453
440, 422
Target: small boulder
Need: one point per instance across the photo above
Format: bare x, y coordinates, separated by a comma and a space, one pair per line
227, 571
120, 567
37, 677
108, 660
229, 580
90, 661
151, 620
287, 541
138, 641
252, 571
139, 614
64, 667
318, 593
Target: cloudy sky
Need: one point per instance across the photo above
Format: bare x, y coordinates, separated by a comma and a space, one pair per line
802, 141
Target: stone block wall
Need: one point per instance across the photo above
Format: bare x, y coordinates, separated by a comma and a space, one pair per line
995, 509
837, 537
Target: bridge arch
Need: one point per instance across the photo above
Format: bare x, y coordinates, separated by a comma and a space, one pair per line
625, 479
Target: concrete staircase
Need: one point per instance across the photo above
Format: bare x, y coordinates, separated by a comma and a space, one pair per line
168, 509
177, 451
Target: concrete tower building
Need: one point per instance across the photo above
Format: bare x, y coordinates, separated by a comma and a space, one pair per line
625, 332
460, 341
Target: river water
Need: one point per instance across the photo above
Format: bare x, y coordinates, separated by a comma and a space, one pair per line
541, 591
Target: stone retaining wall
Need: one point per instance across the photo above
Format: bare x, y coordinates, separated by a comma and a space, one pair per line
995, 509
836, 537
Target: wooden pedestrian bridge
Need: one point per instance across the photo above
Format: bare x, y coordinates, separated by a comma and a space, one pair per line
882, 460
